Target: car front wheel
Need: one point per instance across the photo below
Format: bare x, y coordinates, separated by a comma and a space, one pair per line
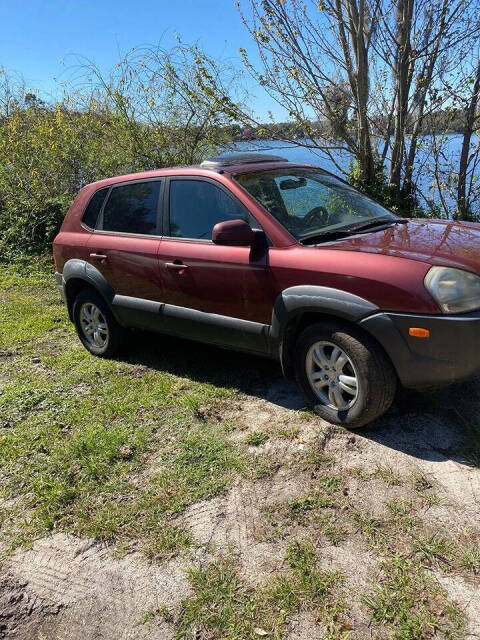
345, 376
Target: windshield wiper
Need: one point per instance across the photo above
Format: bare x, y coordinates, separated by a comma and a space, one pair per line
377, 222
373, 225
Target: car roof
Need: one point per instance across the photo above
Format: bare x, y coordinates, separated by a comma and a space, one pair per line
229, 163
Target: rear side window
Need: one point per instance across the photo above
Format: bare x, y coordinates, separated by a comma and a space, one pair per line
132, 208
90, 216
197, 205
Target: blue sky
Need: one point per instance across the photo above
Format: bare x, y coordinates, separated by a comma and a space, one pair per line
36, 35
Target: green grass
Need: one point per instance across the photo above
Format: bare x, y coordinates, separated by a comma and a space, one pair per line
289, 433
111, 449
317, 512
256, 438
402, 514
117, 450
314, 458
369, 525
29, 303
433, 548
223, 606
329, 482
412, 604
333, 532
387, 475
420, 482
306, 503
470, 559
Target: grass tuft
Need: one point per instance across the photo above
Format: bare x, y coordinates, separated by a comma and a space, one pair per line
387, 475
433, 548
256, 438
412, 605
470, 559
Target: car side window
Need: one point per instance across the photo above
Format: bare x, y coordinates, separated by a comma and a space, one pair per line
133, 208
94, 207
197, 205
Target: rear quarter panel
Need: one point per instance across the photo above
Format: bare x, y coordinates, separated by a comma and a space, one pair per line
72, 238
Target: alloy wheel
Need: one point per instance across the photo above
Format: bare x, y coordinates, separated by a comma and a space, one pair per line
94, 325
332, 375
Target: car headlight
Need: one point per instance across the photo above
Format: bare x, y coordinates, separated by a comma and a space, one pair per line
455, 290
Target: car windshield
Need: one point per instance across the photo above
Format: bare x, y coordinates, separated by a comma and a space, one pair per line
310, 203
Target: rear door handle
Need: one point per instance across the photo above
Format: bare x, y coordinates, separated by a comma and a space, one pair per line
176, 266
98, 256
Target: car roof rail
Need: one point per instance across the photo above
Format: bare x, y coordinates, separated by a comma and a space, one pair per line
230, 159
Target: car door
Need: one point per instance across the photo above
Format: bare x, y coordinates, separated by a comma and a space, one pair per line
125, 242
230, 281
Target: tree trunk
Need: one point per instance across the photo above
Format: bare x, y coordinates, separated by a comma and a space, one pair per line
463, 208
358, 20
403, 75
424, 82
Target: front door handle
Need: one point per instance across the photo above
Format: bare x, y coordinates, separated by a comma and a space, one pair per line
179, 267
98, 256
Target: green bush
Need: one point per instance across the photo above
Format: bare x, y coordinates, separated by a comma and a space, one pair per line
385, 193
151, 111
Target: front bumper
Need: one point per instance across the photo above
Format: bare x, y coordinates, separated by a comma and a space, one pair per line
450, 354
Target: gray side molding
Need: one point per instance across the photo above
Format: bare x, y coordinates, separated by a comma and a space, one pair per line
312, 298
74, 268
81, 270
189, 323
295, 301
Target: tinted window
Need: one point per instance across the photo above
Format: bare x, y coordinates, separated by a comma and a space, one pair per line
132, 208
196, 206
93, 208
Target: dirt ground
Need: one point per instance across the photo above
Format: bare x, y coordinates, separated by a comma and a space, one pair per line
67, 589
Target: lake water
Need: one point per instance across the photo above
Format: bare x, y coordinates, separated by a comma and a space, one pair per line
424, 161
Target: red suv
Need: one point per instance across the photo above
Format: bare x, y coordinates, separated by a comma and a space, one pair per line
285, 260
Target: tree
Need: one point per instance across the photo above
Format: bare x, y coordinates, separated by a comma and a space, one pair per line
152, 110
388, 60
165, 101
12, 92
420, 42
469, 158
315, 64
402, 74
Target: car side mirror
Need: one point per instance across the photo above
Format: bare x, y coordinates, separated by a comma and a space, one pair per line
233, 233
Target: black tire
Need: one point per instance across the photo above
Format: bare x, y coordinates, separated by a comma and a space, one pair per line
114, 337
376, 378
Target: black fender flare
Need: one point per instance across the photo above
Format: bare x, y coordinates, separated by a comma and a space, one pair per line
78, 269
295, 301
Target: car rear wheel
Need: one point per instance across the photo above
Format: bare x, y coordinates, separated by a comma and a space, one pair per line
345, 376
96, 327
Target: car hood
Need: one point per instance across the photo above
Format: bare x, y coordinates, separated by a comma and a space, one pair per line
436, 242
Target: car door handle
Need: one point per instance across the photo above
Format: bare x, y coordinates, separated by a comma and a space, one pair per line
176, 266
98, 256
